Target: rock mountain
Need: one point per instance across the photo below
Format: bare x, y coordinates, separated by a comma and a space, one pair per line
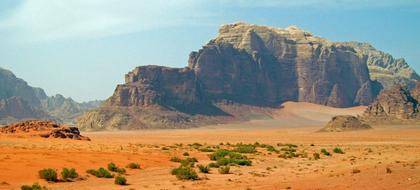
247, 67
19, 101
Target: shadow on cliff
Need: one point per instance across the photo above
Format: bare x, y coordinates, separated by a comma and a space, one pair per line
201, 109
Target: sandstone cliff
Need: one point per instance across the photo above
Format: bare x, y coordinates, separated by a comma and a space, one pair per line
244, 68
388, 70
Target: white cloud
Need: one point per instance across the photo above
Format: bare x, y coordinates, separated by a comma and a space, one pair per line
40, 20
46, 20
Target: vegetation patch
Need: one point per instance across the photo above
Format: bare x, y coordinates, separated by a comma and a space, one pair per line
133, 165
68, 174
120, 180
245, 148
34, 186
338, 150
114, 168
203, 169
48, 174
184, 173
100, 173
225, 157
224, 170
325, 152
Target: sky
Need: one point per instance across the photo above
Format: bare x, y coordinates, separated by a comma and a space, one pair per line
83, 48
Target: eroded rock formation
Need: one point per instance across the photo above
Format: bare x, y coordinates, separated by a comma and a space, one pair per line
45, 129
345, 123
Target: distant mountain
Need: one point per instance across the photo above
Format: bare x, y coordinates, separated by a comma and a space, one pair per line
252, 66
19, 101
385, 68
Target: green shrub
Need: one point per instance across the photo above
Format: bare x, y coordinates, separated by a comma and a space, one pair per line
271, 149
245, 148
67, 174
120, 180
222, 153
213, 165
338, 150
224, 170
133, 165
34, 186
203, 169
114, 168
316, 156
188, 162
184, 173
206, 149
48, 174
100, 173
325, 152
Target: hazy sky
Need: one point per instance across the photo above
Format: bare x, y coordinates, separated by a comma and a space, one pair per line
83, 48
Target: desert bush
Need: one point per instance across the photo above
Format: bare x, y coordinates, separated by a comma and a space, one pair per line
186, 154
245, 148
175, 159
222, 153
48, 174
100, 173
316, 156
206, 149
203, 169
133, 165
338, 150
34, 186
120, 180
67, 174
184, 173
325, 152
271, 149
213, 165
114, 168
388, 170
188, 162
224, 170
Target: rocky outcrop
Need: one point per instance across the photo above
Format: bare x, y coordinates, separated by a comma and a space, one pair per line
45, 129
345, 123
244, 65
396, 105
19, 101
384, 68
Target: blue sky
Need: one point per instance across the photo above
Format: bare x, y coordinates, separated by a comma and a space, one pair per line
83, 48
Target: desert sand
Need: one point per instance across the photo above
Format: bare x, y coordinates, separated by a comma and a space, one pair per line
364, 164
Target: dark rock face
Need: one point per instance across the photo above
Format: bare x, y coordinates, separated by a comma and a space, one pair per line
344, 123
396, 103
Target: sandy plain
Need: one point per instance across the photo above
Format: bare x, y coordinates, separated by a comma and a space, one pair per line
387, 157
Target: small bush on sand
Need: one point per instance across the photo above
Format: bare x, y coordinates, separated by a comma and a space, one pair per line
34, 186
224, 170
338, 150
184, 173
48, 174
186, 154
245, 148
133, 165
325, 152
100, 173
316, 156
120, 180
355, 171
69, 174
114, 168
203, 169
213, 165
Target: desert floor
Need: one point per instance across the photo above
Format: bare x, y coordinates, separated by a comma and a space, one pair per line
370, 151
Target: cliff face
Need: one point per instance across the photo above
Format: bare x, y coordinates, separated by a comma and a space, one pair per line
245, 66
384, 68
19, 101
265, 66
